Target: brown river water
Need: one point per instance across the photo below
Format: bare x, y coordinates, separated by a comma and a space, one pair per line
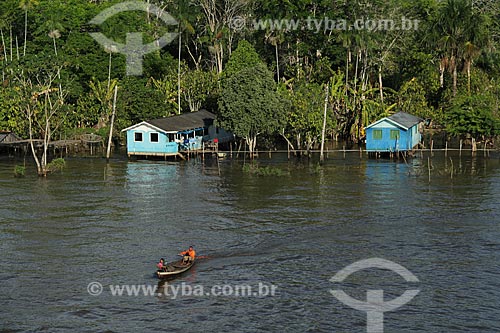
104, 225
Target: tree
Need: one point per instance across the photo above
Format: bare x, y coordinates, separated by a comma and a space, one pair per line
249, 104
218, 16
472, 115
411, 99
45, 111
305, 119
459, 34
103, 92
197, 86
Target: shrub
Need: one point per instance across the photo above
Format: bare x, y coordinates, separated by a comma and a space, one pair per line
19, 171
56, 164
254, 169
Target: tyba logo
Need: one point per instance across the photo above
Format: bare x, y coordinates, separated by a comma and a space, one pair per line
374, 305
134, 48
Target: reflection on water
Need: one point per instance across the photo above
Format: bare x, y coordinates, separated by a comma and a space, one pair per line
111, 223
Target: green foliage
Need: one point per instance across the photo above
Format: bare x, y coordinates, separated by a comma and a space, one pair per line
305, 119
473, 115
138, 101
242, 58
412, 100
19, 171
56, 164
253, 168
198, 86
249, 104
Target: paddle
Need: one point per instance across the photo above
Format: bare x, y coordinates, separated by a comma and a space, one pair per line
202, 257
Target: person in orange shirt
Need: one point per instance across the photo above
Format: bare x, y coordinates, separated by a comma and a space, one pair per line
189, 255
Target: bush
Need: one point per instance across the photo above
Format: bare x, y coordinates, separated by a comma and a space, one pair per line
254, 169
19, 171
56, 164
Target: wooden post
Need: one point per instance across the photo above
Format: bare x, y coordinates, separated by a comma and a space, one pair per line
218, 165
321, 156
112, 123
429, 167
451, 171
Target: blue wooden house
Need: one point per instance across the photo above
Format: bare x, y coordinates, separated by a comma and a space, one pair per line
397, 133
173, 135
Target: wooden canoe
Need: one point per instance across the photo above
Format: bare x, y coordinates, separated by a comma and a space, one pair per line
173, 269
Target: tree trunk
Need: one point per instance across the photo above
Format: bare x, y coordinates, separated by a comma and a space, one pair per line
289, 143
3, 45
441, 74
251, 142
179, 73
348, 58
321, 156
380, 84
33, 151
25, 31
454, 80
277, 62
108, 152
468, 64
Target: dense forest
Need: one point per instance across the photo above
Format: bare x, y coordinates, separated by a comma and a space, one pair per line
268, 69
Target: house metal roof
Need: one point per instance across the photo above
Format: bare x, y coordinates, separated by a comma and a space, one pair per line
179, 123
7, 136
184, 121
400, 119
405, 119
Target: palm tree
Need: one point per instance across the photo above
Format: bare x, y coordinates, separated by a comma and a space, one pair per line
459, 34
103, 92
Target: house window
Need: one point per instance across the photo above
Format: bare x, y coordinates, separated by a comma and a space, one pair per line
153, 137
138, 137
377, 134
394, 134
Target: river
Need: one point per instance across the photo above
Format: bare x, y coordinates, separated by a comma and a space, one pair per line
94, 225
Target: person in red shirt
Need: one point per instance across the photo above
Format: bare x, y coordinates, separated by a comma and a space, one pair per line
189, 255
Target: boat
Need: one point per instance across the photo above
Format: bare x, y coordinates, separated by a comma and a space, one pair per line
173, 269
